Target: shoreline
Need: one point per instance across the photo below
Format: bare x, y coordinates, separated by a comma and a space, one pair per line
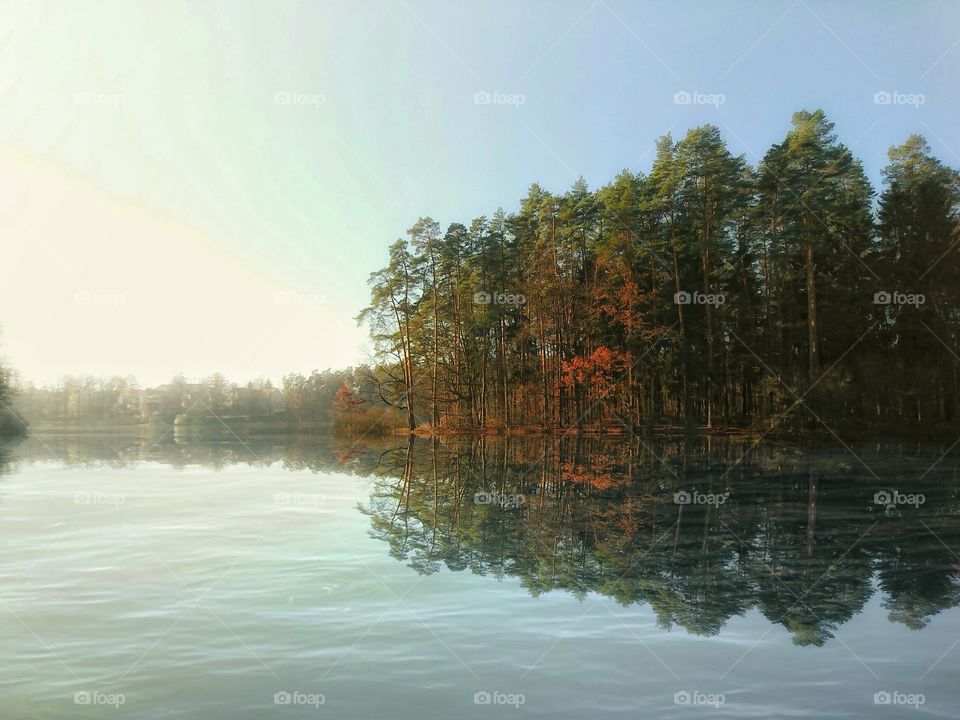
885, 432
236, 428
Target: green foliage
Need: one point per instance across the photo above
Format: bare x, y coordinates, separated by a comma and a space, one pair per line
491, 325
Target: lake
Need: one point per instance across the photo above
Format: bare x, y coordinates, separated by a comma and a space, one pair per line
552, 577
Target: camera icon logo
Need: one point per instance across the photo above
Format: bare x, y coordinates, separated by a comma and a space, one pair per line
882, 97
282, 698
482, 298
682, 698
682, 298
682, 97
482, 98
882, 698
482, 698
882, 298
883, 498
682, 498
81, 698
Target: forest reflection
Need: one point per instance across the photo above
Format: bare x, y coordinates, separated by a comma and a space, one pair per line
797, 533
701, 529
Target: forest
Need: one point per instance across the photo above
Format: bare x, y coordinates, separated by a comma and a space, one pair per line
706, 292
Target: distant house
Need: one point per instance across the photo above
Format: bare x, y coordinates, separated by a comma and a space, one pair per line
171, 399
194, 393
151, 402
251, 401
175, 398
275, 399
130, 401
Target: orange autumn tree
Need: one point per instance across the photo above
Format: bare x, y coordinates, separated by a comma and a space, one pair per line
626, 313
596, 379
346, 401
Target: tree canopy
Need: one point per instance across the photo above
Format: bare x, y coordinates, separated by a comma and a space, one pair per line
705, 292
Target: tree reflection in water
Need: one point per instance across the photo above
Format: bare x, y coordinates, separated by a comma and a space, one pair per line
794, 531
799, 535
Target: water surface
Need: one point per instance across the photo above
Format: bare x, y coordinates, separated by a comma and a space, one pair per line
556, 578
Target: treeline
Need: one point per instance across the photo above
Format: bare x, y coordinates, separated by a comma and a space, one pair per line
11, 425
336, 397
704, 292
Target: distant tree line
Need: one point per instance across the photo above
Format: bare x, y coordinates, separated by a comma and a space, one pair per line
11, 424
330, 396
705, 292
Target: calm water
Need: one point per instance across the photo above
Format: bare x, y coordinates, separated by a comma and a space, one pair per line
489, 579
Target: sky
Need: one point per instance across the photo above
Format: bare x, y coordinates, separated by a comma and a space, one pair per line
206, 186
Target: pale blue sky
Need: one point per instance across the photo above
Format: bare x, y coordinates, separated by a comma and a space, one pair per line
170, 113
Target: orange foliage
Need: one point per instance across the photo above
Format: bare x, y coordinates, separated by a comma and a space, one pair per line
599, 474
601, 371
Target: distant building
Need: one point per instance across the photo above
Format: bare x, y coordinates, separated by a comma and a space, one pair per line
172, 399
